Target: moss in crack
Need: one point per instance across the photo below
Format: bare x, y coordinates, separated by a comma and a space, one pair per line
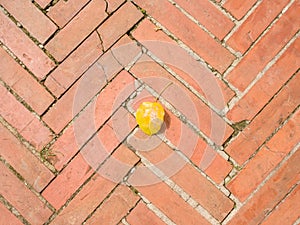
239, 126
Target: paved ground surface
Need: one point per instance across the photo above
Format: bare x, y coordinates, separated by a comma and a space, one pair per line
73, 72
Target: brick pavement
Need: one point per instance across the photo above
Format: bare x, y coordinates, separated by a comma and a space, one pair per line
72, 74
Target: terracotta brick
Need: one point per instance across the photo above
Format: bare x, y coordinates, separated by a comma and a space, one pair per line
77, 30
84, 163
43, 3
25, 85
247, 33
268, 85
6, 215
113, 5
190, 180
25, 122
141, 215
119, 202
239, 8
63, 11
25, 49
170, 203
112, 29
75, 99
284, 29
270, 194
203, 12
266, 159
25, 201
193, 72
37, 24
203, 156
75, 65
95, 191
182, 99
265, 123
284, 213
187, 31
30, 168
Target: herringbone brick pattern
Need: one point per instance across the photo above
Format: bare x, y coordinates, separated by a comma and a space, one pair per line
73, 73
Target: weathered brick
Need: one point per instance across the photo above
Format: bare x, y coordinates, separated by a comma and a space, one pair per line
25, 49
268, 85
266, 159
187, 31
25, 201
75, 65
79, 169
25, 122
190, 180
24, 84
6, 215
262, 53
63, 11
239, 8
203, 156
141, 215
270, 194
169, 202
285, 212
266, 122
119, 202
112, 5
193, 72
204, 11
37, 24
30, 168
247, 33
43, 3
182, 99
77, 30
93, 193
118, 24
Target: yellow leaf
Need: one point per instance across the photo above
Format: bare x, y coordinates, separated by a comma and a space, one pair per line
150, 117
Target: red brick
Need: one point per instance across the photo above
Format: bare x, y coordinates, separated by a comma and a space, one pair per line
77, 30
204, 11
25, 201
62, 12
141, 215
6, 215
270, 194
259, 56
247, 33
118, 24
266, 122
80, 168
37, 24
190, 180
113, 5
43, 3
266, 159
284, 213
26, 86
25, 122
193, 72
30, 168
25, 49
113, 209
94, 192
268, 85
182, 99
203, 156
187, 31
239, 8
75, 65
75, 99
169, 202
